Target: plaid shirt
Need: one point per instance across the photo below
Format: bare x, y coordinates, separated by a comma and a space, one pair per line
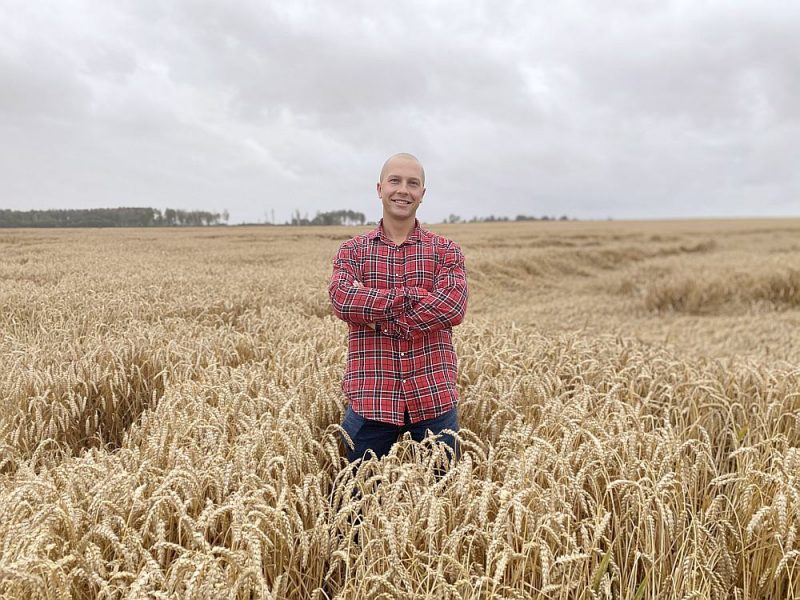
415, 292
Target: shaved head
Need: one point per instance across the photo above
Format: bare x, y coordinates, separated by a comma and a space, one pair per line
402, 156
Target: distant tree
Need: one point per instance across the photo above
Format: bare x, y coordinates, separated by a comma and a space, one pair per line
336, 217
297, 219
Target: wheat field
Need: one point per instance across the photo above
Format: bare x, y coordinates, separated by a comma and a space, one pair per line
630, 405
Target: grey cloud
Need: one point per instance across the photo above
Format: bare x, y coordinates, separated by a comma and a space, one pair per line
627, 109
38, 83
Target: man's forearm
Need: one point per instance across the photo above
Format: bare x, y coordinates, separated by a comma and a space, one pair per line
357, 304
438, 310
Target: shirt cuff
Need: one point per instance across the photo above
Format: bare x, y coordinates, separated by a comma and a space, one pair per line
412, 295
389, 328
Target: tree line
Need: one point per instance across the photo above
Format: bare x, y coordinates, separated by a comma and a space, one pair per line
153, 217
334, 217
350, 217
112, 217
493, 219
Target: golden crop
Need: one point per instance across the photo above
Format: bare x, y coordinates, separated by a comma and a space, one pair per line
630, 411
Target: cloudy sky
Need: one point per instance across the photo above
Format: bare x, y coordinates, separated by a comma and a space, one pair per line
621, 108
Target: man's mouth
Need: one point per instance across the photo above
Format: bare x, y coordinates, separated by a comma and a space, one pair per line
401, 201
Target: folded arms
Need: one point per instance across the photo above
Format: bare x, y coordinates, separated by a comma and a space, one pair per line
402, 312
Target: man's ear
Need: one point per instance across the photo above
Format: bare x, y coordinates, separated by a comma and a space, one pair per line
378, 187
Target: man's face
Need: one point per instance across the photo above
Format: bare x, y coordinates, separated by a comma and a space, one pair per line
401, 188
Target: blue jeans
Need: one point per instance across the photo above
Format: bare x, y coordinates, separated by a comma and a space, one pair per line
379, 437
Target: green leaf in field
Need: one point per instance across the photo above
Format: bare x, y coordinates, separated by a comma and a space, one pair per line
642, 587
601, 570
741, 433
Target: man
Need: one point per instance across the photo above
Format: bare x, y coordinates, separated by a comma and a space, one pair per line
401, 289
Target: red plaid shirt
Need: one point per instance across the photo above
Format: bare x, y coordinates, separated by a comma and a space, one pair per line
416, 292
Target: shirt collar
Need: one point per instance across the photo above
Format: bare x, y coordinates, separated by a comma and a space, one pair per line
378, 233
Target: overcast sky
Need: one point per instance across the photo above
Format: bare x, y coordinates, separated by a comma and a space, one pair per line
623, 109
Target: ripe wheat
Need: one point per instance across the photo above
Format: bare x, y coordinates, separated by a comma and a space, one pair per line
630, 396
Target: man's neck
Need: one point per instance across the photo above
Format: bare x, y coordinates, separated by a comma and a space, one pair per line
398, 231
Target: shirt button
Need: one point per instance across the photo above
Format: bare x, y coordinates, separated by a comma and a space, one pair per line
402, 354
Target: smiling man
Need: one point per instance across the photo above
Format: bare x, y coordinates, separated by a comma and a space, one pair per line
401, 289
